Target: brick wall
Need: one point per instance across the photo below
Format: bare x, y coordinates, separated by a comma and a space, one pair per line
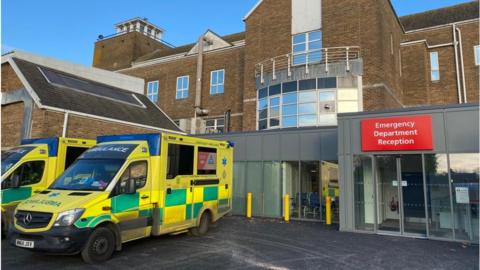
50, 123
12, 120
471, 38
417, 84
268, 34
231, 60
10, 80
120, 51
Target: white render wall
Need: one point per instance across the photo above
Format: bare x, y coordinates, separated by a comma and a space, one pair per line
306, 15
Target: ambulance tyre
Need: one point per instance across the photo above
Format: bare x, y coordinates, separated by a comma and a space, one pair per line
202, 228
100, 246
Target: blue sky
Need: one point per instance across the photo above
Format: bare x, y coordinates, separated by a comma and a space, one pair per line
67, 29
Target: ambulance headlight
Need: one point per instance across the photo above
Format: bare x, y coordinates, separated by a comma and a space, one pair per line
67, 218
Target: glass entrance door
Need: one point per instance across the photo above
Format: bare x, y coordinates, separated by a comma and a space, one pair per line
388, 211
400, 194
413, 195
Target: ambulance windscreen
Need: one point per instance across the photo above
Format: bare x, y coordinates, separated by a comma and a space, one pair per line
12, 156
88, 175
109, 151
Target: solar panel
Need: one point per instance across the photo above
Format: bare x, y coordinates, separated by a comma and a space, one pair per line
89, 87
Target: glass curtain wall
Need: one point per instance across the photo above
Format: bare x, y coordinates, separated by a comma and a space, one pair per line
310, 190
465, 174
330, 187
239, 188
364, 193
272, 189
438, 196
291, 185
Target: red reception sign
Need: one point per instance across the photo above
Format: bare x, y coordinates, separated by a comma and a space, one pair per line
397, 133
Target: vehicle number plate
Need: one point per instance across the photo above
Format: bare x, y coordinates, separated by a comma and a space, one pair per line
23, 243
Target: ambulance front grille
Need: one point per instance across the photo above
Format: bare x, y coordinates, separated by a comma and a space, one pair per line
32, 220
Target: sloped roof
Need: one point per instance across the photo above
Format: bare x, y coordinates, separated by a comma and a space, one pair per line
451, 14
57, 89
186, 48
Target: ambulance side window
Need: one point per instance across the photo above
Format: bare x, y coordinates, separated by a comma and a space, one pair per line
136, 170
206, 161
30, 173
180, 160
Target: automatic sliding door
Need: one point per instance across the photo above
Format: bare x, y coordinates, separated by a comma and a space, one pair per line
388, 210
413, 196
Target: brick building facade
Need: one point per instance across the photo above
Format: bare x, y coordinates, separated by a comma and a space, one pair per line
379, 61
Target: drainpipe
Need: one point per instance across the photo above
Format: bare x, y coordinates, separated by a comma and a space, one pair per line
65, 124
198, 111
462, 67
198, 82
455, 44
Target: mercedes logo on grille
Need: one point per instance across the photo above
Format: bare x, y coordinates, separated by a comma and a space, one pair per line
27, 219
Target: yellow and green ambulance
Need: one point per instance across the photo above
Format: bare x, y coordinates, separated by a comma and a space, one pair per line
32, 166
125, 188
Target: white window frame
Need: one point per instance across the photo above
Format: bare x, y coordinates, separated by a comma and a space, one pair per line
434, 69
476, 53
152, 92
307, 50
183, 90
215, 85
215, 125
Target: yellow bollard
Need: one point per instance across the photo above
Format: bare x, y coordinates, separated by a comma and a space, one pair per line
286, 208
328, 210
249, 205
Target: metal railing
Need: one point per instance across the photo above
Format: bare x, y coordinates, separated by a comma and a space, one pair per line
291, 60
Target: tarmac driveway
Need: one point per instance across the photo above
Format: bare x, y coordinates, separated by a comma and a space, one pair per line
237, 243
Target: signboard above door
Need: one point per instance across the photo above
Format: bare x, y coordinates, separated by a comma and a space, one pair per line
403, 133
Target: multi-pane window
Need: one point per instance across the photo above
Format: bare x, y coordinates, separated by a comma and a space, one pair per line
289, 109
434, 67
215, 125
182, 87
152, 91
327, 102
217, 79
307, 47
477, 55
274, 111
262, 112
310, 102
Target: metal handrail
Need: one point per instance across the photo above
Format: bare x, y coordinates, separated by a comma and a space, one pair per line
326, 56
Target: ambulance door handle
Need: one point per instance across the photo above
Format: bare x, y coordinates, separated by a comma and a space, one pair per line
169, 191
144, 197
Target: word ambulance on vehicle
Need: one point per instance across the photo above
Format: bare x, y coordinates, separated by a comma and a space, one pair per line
31, 167
125, 188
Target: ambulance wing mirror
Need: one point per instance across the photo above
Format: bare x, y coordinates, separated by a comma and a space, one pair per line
131, 187
15, 181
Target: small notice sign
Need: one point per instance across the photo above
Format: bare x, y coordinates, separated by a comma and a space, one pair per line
461, 195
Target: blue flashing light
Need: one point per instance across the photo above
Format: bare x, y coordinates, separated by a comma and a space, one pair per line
52, 144
153, 140
231, 144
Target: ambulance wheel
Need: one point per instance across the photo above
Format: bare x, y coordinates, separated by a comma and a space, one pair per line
202, 228
99, 247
